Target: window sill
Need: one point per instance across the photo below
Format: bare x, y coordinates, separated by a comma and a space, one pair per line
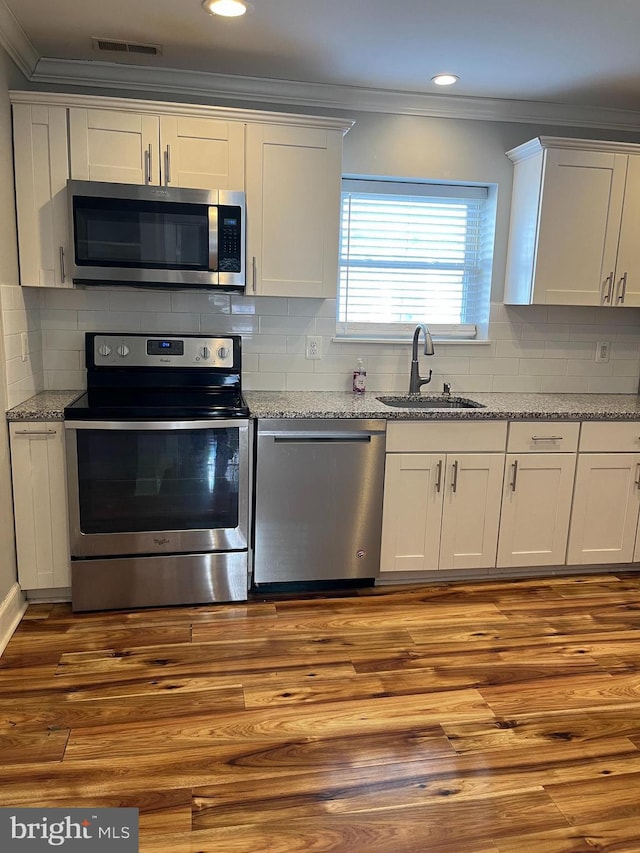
395, 341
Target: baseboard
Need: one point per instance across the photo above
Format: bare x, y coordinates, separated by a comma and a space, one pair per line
11, 612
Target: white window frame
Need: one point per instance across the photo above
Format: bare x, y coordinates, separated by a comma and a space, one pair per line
476, 327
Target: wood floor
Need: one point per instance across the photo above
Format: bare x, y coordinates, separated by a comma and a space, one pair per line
495, 717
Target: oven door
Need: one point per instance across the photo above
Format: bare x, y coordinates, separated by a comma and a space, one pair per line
157, 487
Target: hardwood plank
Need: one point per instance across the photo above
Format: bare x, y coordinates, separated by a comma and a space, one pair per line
445, 827
599, 726
18, 747
332, 719
169, 703
573, 692
621, 836
601, 799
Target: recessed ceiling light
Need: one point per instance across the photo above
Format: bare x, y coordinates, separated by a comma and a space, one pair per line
445, 79
226, 8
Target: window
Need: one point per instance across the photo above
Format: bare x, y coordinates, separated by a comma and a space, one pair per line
414, 253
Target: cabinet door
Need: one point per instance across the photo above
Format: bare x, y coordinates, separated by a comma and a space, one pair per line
120, 147
293, 210
412, 510
536, 507
579, 224
202, 153
41, 161
40, 504
471, 511
605, 511
627, 278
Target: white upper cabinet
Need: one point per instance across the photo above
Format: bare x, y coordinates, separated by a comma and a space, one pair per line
41, 170
124, 146
293, 209
575, 214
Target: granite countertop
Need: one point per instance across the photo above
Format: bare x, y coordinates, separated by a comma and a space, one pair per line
49, 405
45, 406
326, 404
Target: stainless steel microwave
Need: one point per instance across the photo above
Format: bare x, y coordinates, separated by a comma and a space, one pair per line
156, 236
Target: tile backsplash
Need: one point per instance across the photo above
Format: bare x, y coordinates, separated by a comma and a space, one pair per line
531, 348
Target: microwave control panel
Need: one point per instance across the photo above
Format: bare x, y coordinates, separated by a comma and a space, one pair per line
162, 351
229, 239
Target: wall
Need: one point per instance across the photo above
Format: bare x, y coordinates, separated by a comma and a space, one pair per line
530, 349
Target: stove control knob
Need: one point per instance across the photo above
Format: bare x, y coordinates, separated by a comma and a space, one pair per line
223, 352
205, 352
123, 351
104, 350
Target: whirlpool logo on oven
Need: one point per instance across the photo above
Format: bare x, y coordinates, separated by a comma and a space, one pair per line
109, 830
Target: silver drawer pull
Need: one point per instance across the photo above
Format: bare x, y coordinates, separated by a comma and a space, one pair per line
546, 438
454, 476
44, 432
439, 476
515, 475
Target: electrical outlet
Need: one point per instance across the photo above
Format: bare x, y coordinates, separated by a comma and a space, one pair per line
314, 346
603, 349
24, 346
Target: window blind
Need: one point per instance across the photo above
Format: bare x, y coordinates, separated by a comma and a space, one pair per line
411, 253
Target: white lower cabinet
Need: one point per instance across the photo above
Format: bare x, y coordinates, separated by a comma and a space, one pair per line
40, 504
606, 503
442, 509
537, 493
606, 506
536, 508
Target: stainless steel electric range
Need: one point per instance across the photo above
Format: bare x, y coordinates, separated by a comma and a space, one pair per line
158, 473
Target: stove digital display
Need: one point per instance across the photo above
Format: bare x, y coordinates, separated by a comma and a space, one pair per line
165, 347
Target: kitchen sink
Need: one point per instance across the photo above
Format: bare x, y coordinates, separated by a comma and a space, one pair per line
440, 402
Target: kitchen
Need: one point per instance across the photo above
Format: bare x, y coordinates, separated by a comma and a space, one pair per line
532, 349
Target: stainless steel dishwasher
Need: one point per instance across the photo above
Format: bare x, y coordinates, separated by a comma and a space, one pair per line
318, 507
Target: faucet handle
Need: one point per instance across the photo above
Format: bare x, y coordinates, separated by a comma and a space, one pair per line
446, 389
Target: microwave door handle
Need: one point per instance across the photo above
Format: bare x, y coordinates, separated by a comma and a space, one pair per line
213, 238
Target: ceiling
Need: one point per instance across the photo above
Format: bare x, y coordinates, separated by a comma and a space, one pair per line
557, 57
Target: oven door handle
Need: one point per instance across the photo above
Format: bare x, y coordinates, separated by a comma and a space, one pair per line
135, 426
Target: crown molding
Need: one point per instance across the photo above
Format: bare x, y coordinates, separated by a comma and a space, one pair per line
186, 84
65, 72
137, 106
535, 146
14, 40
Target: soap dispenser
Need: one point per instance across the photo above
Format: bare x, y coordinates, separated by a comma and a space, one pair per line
359, 378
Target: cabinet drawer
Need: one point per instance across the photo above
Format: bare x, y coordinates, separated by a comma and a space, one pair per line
543, 437
445, 436
606, 437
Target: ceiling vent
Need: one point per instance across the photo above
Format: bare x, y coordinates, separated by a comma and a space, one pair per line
114, 46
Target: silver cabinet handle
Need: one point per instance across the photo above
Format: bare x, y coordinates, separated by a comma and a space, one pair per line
608, 283
36, 433
254, 269
454, 476
167, 164
515, 476
621, 289
63, 274
147, 165
546, 438
439, 476
637, 480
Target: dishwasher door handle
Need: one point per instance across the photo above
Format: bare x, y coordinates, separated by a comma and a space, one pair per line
319, 437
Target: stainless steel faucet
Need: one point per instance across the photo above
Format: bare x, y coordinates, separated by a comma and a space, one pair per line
415, 380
